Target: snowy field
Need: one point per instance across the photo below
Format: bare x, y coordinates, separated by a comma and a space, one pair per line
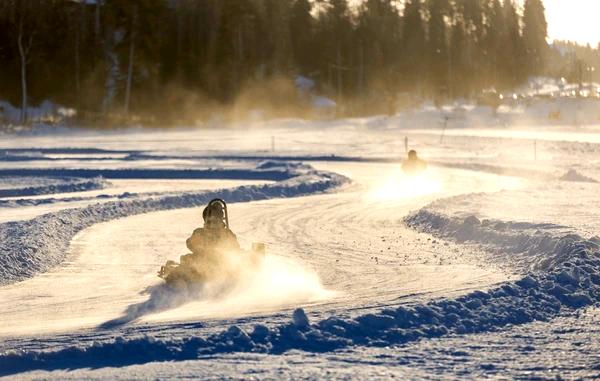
485, 266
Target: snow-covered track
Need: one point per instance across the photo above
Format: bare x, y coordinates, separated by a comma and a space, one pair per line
56, 185
557, 273
569, 284
34, 246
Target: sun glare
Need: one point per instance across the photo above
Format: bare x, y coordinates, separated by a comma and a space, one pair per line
573, 20
398, 186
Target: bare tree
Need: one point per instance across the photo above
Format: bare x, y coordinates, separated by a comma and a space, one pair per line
20, 14
24, 48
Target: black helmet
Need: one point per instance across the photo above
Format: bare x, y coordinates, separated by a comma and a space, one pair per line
216, 212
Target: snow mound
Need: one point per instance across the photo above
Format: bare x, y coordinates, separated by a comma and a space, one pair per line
573, 175
20, 202
530, 246
34, 246
571, 285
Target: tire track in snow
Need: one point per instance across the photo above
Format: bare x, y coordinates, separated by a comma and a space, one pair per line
359, 245
336, 235
34, 246
536, 297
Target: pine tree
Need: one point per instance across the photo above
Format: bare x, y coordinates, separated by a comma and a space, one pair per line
437, 46
302, 35
535, 31
378, 47
334, 38
458, 67
472, 12
493, 38
153, 56
280, 37
511, 61
413, 35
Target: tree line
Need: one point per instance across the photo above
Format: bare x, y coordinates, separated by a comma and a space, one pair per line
159, 58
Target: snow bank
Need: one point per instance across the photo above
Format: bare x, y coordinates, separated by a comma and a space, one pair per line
574, 284
530, 246
24, 152
30, 247
45, 111
20, 202
273, 174
50, 185
62, 180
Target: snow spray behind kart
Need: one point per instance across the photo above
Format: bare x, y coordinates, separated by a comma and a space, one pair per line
216, 254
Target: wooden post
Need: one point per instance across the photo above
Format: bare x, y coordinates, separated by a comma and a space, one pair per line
339, 73
444, 129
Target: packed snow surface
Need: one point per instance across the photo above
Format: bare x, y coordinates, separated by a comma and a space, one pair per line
38, 244
370, 273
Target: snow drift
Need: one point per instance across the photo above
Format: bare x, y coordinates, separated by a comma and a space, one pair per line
528, 246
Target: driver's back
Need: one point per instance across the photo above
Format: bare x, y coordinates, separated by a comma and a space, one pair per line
209, 239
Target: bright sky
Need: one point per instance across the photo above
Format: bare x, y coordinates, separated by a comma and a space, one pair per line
574, 20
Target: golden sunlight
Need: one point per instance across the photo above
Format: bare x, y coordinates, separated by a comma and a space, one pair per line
398, 186
573, 20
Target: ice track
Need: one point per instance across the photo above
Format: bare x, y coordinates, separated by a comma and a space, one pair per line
347, 252
363, 277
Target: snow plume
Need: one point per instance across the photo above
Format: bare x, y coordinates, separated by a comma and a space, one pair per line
276, 97
276, 282
256, 101
237, 286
